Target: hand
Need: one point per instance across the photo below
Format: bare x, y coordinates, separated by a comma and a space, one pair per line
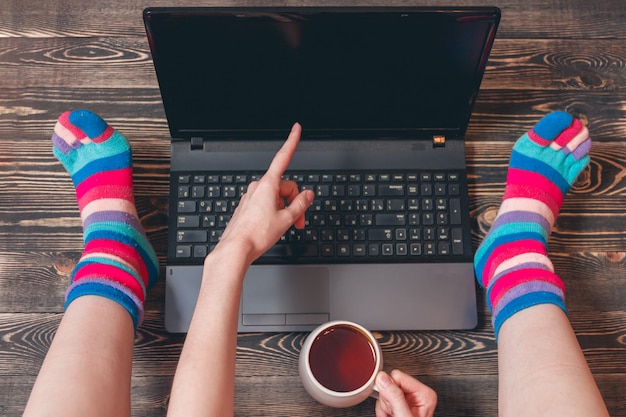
269, 207
401, 395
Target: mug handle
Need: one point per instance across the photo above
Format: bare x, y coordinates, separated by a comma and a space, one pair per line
375, 393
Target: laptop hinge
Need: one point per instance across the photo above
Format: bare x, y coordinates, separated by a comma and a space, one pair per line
439, 141
197, 144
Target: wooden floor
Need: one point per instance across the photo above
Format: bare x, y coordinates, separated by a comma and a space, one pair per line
65, 54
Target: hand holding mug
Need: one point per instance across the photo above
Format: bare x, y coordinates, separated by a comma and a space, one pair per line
341, 365
401, 395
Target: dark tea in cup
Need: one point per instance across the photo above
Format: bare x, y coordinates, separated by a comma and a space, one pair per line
342, 358
339, 362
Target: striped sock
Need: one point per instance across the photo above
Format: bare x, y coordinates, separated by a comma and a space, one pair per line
512, 261
118, 261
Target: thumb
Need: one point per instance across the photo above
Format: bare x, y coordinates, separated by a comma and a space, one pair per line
298, 207
391, 400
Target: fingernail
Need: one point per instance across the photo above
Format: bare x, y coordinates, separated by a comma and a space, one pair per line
383, 379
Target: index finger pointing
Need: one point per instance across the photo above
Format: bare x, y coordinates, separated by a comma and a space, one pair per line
283, 157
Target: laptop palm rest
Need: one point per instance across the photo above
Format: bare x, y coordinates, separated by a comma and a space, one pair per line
285, 296
298, 298
274, 297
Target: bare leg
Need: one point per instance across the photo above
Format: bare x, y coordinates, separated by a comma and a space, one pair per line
88, 367
542, 370
541, 366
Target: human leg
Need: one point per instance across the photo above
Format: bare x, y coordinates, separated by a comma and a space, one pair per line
542, 370
88, 367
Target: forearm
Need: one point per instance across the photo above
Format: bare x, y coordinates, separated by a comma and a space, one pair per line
205, 377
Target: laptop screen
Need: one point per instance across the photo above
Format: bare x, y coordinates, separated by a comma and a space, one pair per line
335, 71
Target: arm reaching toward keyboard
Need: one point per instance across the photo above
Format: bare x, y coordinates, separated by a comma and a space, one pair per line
205, 378
277, 202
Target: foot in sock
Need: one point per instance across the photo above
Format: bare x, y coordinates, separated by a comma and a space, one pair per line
118, 261
512, 261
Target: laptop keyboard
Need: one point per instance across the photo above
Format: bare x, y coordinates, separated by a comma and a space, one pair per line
355, 217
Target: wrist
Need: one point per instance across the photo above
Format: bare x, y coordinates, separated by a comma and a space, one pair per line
231, 253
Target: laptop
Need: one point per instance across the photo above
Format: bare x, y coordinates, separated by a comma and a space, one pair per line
384, 96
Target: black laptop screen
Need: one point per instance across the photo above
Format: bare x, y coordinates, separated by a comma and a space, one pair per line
333, 71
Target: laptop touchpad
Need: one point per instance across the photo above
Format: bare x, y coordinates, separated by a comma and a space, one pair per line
285, 289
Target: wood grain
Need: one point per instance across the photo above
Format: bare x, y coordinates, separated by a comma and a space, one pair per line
66, 54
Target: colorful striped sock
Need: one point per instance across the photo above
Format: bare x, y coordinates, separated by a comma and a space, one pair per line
118, 261
512, 261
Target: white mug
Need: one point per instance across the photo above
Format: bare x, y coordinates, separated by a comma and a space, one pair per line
339, 362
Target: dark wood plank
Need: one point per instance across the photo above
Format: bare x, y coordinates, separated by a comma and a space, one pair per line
66, 54
576, 19
44, 204
105, 62
283, 396
442, 353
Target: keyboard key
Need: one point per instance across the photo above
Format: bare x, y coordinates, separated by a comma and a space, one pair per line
359, 250
197, 191
343, 250
214, 191
190, 236
378, 204
380, 234
457, 241
368, 190
208, 220
188, 221
205, 206
187, 206
401, 234
455, 211
304, 251
328, 250
354, 190
391, 190
200, 251
337, 190
183, 191
183, 251
229, 191
394, 204
373, 249
390, 219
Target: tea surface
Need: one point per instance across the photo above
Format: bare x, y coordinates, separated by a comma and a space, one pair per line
342, 359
